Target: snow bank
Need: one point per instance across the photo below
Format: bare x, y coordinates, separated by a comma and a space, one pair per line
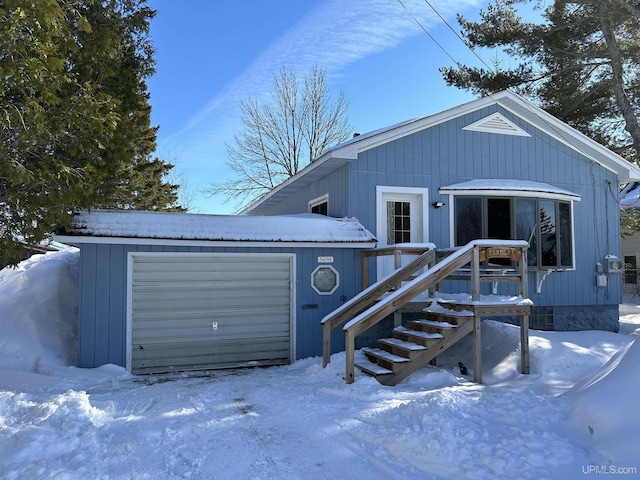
38, 313
605, 404
557, 359
300, 420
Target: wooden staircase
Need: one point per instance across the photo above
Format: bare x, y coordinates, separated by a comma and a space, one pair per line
415, 345
446, 320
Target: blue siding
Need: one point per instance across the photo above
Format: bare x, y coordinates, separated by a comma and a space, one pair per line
444, 154
334, 184
103, 296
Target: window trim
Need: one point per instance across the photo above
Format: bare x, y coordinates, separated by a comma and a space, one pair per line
484, 195
318, 201
313, 279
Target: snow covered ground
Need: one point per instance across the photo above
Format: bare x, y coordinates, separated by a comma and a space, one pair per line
577, 415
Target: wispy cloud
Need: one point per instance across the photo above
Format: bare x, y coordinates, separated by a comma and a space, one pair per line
334, 35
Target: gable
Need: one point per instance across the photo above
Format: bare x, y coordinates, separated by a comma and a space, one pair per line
498, 124
495, 123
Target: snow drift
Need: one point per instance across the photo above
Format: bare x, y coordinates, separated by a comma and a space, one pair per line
300, 420
605, 403
38, 313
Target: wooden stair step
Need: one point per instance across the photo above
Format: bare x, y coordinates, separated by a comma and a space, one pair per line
448, 313
403, 370
462, 307
384, 355
433, 326
416, 336
373, 369
435, 323
441, 317
384, 359
400, 347
395, 342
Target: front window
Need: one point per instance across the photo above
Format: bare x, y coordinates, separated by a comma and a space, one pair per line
545, 223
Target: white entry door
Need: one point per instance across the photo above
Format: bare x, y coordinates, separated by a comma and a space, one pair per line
401, 218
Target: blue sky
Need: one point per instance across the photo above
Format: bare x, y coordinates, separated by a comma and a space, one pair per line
212, 54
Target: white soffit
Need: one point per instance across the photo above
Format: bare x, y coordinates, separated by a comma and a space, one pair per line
496, 123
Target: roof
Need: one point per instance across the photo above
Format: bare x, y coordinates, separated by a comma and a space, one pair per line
129, 226
348, 151
630, 195
491, 186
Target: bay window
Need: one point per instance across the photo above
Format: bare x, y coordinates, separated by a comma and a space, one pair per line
545, 223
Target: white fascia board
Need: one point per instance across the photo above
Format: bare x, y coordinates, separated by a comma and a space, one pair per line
566, 135
79, 239
330, 155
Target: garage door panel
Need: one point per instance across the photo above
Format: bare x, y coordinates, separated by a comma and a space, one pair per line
214, 310
277, 347
177, 300
165, 357
215, 289
153, 329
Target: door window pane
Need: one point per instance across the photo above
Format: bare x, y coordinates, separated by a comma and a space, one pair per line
548, 235
398, 222
468, 219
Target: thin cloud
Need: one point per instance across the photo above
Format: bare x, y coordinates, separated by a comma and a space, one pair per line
333, 36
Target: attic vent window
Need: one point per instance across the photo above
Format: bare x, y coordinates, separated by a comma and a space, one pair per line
496, 123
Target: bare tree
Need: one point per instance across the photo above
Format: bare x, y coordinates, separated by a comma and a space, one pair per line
282, 137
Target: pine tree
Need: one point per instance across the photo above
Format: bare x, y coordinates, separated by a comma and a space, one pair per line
580, 63
74, 111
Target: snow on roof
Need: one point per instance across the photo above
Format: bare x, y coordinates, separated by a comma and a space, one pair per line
630, 195
508, 185
185, 226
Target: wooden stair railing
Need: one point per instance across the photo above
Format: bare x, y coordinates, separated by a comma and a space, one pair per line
368, 297
473, 253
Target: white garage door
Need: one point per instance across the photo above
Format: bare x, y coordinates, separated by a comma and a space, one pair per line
190, 312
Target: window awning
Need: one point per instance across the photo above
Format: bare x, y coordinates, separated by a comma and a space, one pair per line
509, 188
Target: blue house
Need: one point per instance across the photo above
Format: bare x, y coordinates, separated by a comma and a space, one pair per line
498, 175
495, 168
172, 291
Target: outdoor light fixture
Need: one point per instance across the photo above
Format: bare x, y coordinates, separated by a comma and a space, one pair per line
438, 204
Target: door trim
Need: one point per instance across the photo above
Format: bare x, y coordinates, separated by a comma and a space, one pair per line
422, 199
